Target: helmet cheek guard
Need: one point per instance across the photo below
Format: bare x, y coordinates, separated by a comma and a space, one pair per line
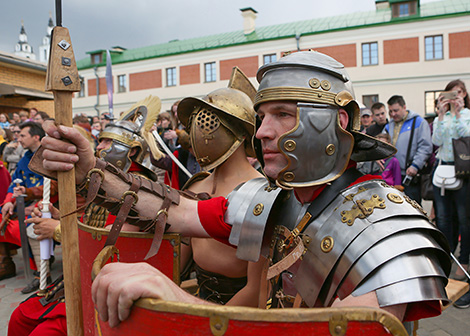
318, 135
117, 154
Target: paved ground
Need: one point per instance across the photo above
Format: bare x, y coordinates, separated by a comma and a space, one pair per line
454, 322
10, 289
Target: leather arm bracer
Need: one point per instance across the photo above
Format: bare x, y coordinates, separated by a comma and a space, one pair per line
92, 190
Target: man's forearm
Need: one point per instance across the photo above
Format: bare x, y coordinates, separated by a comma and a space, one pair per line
183, 217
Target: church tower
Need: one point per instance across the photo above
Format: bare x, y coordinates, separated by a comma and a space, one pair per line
46, 42
22, 48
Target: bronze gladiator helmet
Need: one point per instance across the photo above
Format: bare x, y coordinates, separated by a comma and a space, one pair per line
218, 124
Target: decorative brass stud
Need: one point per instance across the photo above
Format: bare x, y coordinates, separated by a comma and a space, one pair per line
327, 244
330, 149
289, 176
325, 85
119, 163
258, 209
314, 83
395, 198
290, 145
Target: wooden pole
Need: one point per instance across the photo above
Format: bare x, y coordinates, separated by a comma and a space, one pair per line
62, 79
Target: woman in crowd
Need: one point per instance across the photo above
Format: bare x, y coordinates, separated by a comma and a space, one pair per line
452, 122
4, 121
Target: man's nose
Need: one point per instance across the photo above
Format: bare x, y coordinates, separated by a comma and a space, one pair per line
265, 131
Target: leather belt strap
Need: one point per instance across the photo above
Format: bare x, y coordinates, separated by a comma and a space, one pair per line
288, 260
128, 199
93, 183
160, 223
263, 288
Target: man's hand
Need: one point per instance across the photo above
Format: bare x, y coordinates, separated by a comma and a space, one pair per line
411, 171
18, 191
8, 207
43, 227
170, 134
118, 285
64, 147
55, 213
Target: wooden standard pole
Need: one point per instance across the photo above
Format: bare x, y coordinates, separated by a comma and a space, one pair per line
63, 80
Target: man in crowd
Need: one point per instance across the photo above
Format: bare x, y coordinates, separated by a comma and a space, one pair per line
380, 119
411, 136
13, 152
105, 119
307, 132
30, 138
366, 119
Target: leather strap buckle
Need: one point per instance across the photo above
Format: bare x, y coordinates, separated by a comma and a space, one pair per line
162, 211
91, 172
131, 193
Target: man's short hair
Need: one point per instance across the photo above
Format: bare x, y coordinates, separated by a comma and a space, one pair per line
377, 106
34, 128
396, 100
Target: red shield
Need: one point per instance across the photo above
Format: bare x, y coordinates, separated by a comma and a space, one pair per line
132, 246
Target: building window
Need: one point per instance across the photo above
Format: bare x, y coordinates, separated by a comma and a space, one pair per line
370, 53
81, 93
210, 72
404, 9
122, 83
369, 100
269, 58
430, 101
171, 76
433, 47
96, 58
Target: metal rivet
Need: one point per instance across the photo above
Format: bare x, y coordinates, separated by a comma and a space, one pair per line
395, 198
66, 61
289, 176
258, 209
64, 44
325, 85
314, 83
290, 145
330, 149
67, 81
327, 244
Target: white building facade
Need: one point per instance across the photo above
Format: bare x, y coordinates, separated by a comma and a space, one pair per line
402, 48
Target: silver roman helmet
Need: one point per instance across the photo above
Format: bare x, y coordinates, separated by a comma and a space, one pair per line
317, 149
127, 133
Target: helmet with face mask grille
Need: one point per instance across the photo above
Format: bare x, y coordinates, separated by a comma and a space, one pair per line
220, 122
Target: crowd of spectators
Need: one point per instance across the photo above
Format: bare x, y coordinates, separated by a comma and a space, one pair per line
424, 143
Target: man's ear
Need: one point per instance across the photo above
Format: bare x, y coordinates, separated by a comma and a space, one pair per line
132, 152
343, 118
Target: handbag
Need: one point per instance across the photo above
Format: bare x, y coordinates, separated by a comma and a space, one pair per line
427, 190
462, 156
444, 178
